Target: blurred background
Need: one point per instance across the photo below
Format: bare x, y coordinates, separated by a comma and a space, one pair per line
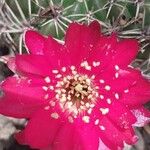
128, 18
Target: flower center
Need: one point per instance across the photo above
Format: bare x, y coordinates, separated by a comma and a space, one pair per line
76, 93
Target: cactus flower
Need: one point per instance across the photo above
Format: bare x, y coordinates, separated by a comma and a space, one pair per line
79, 95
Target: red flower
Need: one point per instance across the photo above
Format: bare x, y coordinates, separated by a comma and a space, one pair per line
80, 95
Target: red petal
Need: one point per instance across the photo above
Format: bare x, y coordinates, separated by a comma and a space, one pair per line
33, 64
121, 116
34, 42
110, 135
95, 29
47, 148
108, 51
126, 52
138, 94
56, 53
113, 137
80, 40
77, 137
51, 47
123, 120
65, 138
40, 45
12, 108
19, 88
126, 79
40, 130
142, 115
102, 146
103, 52
20, 98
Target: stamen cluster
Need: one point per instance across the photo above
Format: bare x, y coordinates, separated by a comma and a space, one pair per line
76, 93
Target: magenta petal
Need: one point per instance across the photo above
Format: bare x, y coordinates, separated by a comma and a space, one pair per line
34, 42
121, 116
110, 135
20, 99
56, 53
126, 51
89, 140
123, 119
103, 52
33, 64
142, 115
114, 136
77, 137
40, 130
51, 47
66, 143
13, 108
80, 39
138, 94
102, 146
119, 85
47, 148
95, 29
131, 76
20, 90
